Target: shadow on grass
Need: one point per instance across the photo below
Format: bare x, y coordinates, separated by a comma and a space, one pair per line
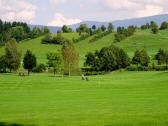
13, 124
58, 76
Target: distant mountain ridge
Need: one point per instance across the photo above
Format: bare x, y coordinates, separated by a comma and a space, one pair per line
125, 23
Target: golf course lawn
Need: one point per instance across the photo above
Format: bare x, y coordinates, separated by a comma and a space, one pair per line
116, 99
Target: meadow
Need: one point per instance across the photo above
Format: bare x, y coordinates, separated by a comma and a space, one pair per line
115, 99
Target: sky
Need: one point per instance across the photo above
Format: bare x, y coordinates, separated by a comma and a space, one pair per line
61, 12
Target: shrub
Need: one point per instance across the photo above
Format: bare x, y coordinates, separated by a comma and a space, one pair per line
139, 68
82, 37
58, 39
132, 68
40, 68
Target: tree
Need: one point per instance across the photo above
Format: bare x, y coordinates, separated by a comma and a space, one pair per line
130, 31
162, 57
107, 59
3, 64
83, 28
144, 58
124, 59
166, 58
1, 26
17, 33
103, 28
65, 29
70, 57
6, 36
46, 30
90, 59
137, 57
154, 28
36, 32
141, 57
1, 39
110, 27
55, 61
94, 27
164, 26
29, 61
13, 55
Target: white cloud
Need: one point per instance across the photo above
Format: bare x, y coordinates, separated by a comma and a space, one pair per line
119, 4
17, 10
150, 10
57, 2
139, 8
60, 20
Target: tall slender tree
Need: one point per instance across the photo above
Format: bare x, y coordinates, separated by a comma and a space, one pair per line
70, 57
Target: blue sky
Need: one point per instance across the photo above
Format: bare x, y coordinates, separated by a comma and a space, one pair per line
60, 12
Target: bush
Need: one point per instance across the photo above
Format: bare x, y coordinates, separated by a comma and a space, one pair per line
82, 37
40, 68
144, 68
91, 71
132, 68
58, 39
161, 68
123, 33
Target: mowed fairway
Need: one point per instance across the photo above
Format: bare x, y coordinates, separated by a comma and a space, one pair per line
117, 99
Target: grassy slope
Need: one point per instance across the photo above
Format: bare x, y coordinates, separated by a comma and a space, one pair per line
145, 39
141, 39
118, 99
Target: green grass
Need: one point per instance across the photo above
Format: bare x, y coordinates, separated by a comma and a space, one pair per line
141, 39
147, 40
117, 99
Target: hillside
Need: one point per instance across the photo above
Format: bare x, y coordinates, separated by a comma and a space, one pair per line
141, 39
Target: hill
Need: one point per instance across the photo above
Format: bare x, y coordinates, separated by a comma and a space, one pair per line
141, 39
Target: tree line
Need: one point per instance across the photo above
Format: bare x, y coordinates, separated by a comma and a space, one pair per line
113, 58
19, 31
154, 26
85, 31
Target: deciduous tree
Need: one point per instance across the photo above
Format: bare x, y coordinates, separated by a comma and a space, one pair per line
13, 55
70, 57
55, 61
